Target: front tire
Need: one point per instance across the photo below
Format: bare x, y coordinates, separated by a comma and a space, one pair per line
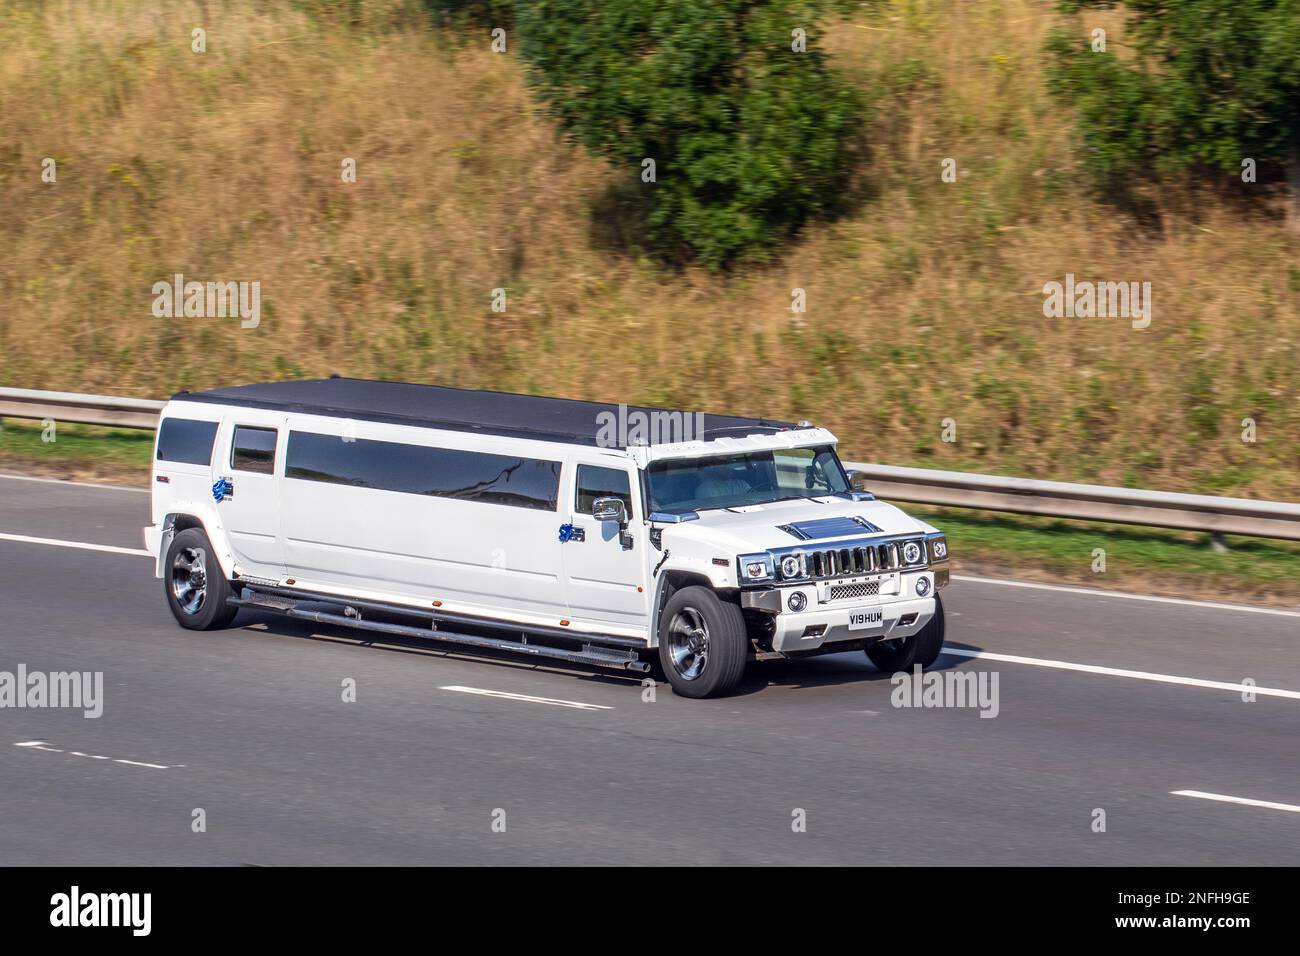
196, 586
703, 643
922, 648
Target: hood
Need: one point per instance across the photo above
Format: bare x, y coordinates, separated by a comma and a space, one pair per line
817, 521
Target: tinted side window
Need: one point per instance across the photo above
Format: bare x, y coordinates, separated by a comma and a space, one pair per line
253, 449
596, 482
185, 440
420, 470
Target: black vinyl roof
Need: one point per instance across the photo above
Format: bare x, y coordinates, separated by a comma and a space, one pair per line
464, 409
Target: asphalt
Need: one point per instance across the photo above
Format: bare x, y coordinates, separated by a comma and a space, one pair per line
250, 726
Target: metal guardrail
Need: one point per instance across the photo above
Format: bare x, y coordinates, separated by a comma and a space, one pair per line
83, 409
1060, 499
953, 489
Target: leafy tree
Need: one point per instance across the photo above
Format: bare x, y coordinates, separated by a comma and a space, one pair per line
1210, 83
749, 138
489, 13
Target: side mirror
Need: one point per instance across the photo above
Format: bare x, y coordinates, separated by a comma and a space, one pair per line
609, 509
857, 481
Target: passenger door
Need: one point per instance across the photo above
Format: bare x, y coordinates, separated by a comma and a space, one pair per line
604, 581
251, 515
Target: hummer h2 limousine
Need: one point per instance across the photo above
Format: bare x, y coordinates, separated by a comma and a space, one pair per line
530, 525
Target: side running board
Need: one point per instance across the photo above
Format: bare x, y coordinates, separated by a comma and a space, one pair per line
602, 651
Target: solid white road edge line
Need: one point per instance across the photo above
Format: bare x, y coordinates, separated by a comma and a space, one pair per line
74, 484
82, 545
1123, 595
526, 698
1120, 672
1244, 801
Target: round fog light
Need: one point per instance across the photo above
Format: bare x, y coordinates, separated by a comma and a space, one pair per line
797, 601
922, 586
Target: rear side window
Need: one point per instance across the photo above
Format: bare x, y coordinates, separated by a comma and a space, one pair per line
596, 482
253, 449
186, 441
421, 470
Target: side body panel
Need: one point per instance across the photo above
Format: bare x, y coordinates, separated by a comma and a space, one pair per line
486, 558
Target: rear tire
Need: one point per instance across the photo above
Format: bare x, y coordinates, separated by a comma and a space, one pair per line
922, 648
703, 643
195, 585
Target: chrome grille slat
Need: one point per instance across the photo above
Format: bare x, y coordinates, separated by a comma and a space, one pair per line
852, 558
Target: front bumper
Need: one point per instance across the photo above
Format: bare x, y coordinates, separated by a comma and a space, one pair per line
823, 623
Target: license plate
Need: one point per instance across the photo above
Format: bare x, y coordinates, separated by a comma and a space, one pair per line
866, 617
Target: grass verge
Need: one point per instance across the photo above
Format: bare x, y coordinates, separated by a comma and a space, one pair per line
78, 452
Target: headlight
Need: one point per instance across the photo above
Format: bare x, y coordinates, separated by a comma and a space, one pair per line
791, 566
912, 553
755, 568
939, 548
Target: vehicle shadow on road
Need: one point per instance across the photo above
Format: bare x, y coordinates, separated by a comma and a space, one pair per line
280, 626
851, 667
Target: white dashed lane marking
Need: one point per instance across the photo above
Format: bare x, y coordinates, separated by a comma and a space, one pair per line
1244, 801
577, 705
41, 745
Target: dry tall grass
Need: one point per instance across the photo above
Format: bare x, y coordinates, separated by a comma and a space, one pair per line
924, 305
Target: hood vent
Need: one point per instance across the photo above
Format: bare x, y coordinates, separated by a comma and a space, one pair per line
828, 528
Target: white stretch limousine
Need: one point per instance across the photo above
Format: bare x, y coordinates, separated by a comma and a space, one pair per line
538, 526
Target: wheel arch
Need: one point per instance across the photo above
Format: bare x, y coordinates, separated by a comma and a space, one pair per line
672, 580
183, 519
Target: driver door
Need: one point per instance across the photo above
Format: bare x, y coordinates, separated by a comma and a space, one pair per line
604, 578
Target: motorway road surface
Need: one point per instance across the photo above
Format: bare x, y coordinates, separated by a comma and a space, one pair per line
249, 725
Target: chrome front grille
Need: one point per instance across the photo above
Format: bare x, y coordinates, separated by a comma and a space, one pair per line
840, 592
843, 562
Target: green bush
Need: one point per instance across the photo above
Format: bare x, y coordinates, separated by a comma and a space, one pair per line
1212, 82
749, 138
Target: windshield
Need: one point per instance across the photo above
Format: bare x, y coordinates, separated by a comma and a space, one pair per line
733, 481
